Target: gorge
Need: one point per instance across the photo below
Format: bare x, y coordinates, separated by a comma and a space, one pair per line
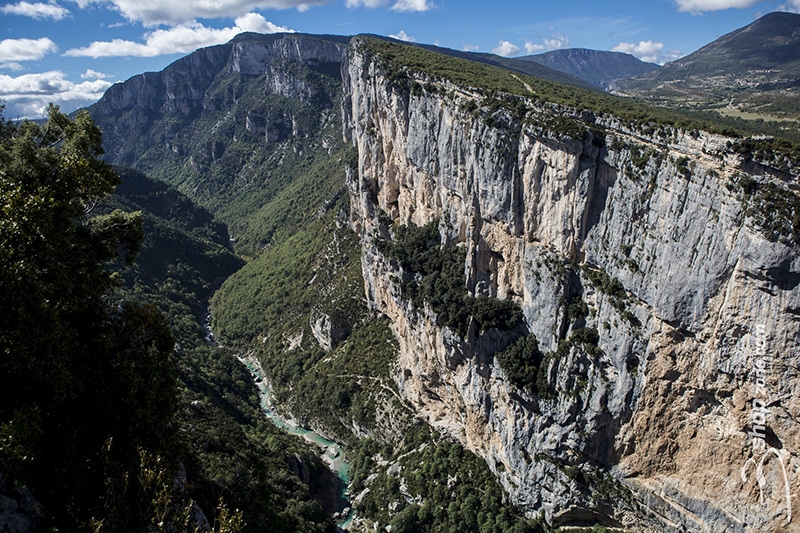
649, 259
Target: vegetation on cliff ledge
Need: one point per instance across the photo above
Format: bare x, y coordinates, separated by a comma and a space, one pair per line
434, 274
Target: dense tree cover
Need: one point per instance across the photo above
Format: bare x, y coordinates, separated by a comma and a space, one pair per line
434, 274
185, 253
101, 420
271, 304
229, 451
444, 487
522, 363
88, 380
234, 454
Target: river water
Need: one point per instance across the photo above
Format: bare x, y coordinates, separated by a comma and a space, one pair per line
332, 452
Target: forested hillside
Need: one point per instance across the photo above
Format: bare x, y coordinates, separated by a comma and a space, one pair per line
108, 424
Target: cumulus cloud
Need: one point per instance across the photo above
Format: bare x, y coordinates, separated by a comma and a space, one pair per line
669, 55
533, 48
555, 42
470, 47
25, 49
175, 12
37, 10
28, 95
411, 5
179, 39
94, 75
699, 6
793, 6
402, 36
650, 51
505, 49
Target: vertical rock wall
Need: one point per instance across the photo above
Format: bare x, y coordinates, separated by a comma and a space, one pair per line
653, 432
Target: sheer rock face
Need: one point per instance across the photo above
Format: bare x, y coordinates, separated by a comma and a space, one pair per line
158, 105
702, 350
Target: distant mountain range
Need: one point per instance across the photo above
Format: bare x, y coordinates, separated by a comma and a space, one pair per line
754, 69
523, 65
750, 73
599, 68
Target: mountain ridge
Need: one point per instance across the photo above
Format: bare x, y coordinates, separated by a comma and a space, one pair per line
755, 68
598, 67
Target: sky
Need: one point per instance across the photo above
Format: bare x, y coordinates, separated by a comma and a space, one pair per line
69, 52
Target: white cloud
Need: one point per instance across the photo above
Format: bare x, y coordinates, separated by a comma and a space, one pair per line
556, 41
650, 51
669, 55
698, 6
257, 23
411, 5
793, 6
175, 12
29, 94
402, 36
179, 39
505, 49
11, 65
470, 47
37, 10
25, 49
533, 48
94, 75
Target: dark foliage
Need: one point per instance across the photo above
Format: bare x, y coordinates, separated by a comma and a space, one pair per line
454, 488
435, 275
88, 382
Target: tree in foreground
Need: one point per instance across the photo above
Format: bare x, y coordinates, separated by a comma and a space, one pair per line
88, 392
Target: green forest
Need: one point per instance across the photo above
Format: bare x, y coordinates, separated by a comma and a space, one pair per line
116, 416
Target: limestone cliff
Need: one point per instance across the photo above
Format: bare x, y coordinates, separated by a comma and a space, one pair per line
188, 108
698, 353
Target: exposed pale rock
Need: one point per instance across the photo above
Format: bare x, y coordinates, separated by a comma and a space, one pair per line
324, 331
657, 424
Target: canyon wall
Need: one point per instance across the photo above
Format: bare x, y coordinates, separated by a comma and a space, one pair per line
692, 390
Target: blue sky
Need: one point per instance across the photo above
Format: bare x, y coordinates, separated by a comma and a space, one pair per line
70, 51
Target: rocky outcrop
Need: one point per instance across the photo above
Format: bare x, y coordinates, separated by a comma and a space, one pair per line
325, 331
691, 391
157, 106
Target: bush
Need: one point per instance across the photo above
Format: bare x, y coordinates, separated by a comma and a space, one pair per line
521, 362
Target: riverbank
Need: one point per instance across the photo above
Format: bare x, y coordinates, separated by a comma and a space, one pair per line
332, 453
